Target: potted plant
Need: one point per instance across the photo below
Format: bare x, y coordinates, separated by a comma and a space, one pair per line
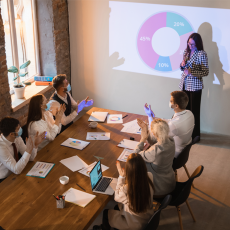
19, 88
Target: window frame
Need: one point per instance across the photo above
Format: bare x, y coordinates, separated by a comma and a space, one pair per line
13, 38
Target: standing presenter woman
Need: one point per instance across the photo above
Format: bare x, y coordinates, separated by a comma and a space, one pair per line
194, 67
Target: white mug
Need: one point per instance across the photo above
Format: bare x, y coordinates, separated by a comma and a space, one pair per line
93, 124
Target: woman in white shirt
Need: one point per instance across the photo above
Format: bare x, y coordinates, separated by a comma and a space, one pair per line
134, 192
40, 119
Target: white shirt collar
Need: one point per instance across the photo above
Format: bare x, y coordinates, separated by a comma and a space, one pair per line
6, 141
61, 96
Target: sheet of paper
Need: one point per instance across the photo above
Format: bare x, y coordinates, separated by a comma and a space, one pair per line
78, 197
124, 155
75, 143
98, 136
88, 169
114, 118
40, 169
128, 144
98, 116
74, 163
131, 127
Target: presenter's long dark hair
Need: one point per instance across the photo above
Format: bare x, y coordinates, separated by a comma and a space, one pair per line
198, 41
138, 184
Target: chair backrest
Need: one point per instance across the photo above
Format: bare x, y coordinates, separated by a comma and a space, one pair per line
155, 219
182, 190
195, 140
182, 158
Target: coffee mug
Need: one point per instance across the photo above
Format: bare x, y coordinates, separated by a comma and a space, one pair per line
93, 124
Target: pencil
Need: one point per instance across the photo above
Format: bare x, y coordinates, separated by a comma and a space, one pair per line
80, 187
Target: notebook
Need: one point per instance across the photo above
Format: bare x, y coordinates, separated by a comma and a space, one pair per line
98, 116
128, 144
78, 197
74, 163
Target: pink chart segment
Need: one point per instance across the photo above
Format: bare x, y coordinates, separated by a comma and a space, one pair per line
146, 32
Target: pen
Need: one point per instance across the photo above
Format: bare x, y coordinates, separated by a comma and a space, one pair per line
80, 187
55, 197
124, 116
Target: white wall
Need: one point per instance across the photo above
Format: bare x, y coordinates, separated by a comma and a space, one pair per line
92, 73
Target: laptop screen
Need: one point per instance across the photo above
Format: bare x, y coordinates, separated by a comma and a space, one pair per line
95, 175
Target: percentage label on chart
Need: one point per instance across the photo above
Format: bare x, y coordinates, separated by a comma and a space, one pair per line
178, 24
145, 39
163, 64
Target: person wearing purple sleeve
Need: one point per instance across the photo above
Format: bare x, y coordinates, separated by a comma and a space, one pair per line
194, 67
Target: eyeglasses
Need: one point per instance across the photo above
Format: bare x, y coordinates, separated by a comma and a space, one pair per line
191, 44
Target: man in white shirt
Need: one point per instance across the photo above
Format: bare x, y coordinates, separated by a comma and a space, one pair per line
11, 143
181, 124
62, 96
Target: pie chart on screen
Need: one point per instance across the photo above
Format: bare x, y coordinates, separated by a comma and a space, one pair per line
162, 39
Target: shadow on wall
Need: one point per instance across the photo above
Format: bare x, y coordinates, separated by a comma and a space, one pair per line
214, 98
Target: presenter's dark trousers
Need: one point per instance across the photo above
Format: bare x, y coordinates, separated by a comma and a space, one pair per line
194, 107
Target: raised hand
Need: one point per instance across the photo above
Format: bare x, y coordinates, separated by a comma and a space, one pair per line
120, 170
29, 145
148, 110
39, 138
60, 112
144, 129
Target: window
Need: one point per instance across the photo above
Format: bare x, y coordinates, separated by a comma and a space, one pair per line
20, 36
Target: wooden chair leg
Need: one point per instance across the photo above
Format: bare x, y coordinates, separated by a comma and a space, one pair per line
157, 206
186, 170
190, 210
176, 175
179, 215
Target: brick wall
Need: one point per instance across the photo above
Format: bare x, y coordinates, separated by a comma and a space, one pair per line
5, 99
62, 54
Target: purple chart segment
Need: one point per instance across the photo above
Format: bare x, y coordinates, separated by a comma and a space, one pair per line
144, 39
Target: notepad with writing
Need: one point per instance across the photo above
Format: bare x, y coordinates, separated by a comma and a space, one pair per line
78, 197
98, 116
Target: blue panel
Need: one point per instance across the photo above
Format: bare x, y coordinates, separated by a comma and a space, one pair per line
163, 64
178, 23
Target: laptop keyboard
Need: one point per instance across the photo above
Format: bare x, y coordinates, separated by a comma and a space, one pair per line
103, 185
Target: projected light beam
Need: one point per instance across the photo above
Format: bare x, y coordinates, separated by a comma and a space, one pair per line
162, 39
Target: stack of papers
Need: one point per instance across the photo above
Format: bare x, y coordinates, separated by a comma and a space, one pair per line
78, 197
75, 143
131, 127
87, 170
74, 163
128, 144
114, 118
98, 116
124, 155
98, 136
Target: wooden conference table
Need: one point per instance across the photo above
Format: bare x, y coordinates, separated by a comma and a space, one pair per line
27, 202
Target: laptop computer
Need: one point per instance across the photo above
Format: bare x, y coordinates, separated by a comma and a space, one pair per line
100, 184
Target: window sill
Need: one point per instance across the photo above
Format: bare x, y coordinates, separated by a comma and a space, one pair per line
30, 91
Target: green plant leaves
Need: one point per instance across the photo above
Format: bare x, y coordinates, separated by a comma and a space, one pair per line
22, 74
15, 78
26, 83
13, 69
24, 65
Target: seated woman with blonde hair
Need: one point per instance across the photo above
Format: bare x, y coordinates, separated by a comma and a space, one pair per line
159, 157
134, 194
41, 120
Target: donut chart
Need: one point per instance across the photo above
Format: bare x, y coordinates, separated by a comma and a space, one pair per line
150, 26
